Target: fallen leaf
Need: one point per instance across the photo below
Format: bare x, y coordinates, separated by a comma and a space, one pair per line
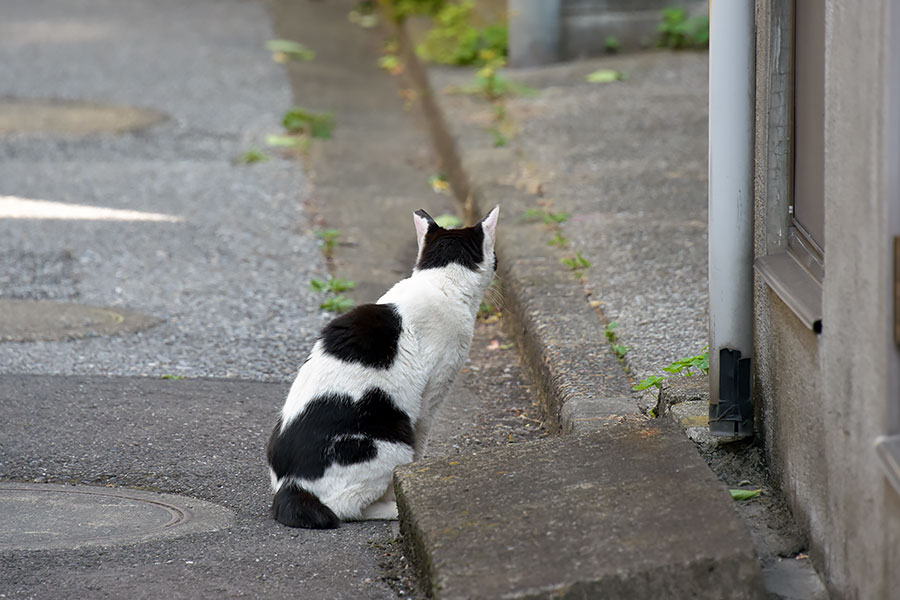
604, 76
745, 494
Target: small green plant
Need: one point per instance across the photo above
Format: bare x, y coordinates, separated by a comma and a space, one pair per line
551, 218
548, 217
577, 263
455, 40
610, 332
329, 239
365, 14
299, 120
333, 285
611, 44
500, 140
559, 240
439, 183
677, 31
286, 50
252, 156
172, 377
337, 304
401, 9
391, 63
686, 367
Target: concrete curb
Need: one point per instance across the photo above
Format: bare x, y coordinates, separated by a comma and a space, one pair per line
583, 388
580, 383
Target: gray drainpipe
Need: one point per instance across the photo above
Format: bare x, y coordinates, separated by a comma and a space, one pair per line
732, 48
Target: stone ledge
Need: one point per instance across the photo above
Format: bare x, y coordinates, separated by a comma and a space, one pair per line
629, 511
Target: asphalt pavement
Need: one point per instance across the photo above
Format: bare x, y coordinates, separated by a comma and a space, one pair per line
157, 221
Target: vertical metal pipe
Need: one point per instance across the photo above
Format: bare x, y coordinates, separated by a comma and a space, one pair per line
732, 48
534, 32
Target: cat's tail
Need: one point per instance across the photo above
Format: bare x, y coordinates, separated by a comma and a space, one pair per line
295, 507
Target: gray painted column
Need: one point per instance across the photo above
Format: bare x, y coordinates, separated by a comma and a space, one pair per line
534, 32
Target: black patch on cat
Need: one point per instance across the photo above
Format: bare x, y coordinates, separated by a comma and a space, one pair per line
368, 334
495, 262
333, 428
352, 450
295, 507
446, 246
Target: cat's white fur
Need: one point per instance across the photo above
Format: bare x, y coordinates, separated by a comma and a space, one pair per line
438, 308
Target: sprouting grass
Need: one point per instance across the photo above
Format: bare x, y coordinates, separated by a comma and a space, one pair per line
299, 120
329, 239
559, 240
337, 304
612, 337
252, 156
333, 285
687, 367
546, 216
576, 263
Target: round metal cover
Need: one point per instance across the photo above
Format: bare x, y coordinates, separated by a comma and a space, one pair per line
40, 516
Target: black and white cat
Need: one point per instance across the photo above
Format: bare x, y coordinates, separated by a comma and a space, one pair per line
364, 400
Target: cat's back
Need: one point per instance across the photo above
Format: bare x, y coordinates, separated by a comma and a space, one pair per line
368, 348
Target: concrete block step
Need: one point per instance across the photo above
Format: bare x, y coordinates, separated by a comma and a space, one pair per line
625, 511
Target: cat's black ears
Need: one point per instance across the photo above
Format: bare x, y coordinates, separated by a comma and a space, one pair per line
424, 222
424, 215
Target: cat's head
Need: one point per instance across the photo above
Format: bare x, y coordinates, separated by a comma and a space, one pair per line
469, 247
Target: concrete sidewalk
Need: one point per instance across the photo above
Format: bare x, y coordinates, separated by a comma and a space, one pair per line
625, 164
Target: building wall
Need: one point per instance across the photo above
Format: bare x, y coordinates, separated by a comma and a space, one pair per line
860, 535
822, 400
787, 390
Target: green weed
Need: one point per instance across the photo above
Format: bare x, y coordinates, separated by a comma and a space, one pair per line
686, 367
334, 285
611, 44
610, 332
299, 120
252, 156
559, 240
456, 40
329, 239
577, 263
500, 140
337, 304
677, 31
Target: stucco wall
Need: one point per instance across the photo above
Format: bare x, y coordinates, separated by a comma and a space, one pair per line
861, 533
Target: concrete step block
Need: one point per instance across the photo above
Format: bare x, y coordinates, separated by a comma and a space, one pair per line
625, 511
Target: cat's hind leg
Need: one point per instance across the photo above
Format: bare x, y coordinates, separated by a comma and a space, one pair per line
380, 511
385, 508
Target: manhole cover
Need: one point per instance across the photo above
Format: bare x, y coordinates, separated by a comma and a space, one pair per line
42, 516
45, 320
67, 117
